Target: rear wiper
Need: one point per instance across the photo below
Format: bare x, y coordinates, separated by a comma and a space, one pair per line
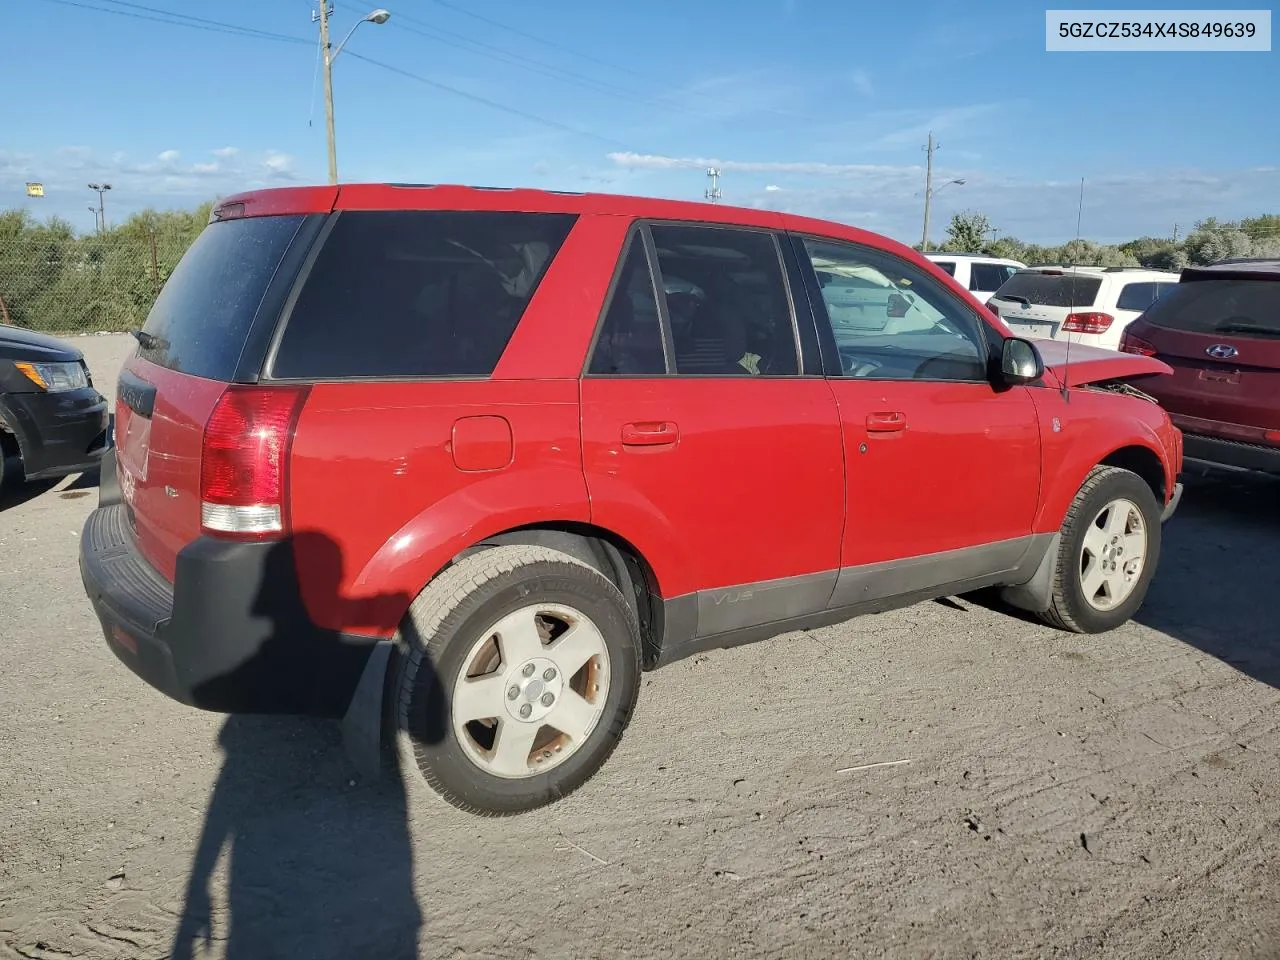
1256, 328
1008, 296
148, 341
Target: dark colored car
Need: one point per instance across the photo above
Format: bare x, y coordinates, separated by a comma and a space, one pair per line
1219, 330
520, 445
53, 422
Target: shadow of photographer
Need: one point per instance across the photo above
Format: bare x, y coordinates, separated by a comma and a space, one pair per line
315, 867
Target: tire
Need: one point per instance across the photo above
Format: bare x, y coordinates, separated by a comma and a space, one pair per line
1104, 495
461, 620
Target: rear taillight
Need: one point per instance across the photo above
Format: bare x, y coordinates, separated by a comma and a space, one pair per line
244, 461
1131, 344
1087, 322
1272, 436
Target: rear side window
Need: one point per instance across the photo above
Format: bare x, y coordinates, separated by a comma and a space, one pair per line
1051, 290
630, 342
199, 323
1237, 307
946, 266
417, 293
987, 276
727, 302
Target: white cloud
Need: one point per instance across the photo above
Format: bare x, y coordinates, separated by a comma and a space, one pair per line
164, 182
278, 164
647, 161
226, 153
772, 188
1117, 207
862, 83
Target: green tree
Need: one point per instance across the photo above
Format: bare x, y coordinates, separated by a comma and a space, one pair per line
967, 232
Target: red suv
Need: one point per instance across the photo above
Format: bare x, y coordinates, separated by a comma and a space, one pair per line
1219, 329
459, 464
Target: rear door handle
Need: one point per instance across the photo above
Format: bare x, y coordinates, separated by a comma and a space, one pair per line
651, 434
891, 422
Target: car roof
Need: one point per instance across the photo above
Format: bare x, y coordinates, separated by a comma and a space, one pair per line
426, 196
1127, 273
935, 255
1257, 268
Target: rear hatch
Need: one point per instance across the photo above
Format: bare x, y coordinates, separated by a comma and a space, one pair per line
1038, 304
1220, 332
202, 333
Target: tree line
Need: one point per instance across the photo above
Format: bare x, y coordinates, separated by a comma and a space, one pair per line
53, 278
1207, 242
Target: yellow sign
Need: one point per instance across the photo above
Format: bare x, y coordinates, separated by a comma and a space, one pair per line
35, 189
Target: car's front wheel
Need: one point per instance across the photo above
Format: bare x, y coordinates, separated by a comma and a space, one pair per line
1107, 554
518, 669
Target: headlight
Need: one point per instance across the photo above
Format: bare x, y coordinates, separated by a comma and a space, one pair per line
55, 377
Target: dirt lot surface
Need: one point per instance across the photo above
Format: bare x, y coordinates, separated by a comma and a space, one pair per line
1058, 796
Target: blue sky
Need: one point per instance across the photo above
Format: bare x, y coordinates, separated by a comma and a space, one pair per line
816, 107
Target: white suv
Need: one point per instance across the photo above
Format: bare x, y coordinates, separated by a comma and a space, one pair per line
1089, 305
980, 275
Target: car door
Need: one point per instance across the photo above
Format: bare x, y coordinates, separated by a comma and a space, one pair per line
943, 467
702, 439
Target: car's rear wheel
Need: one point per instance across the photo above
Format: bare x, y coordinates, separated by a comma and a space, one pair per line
1107, 554
518, 669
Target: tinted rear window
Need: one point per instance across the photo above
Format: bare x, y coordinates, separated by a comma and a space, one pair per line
202, 317
1237, 307
947, 266
417, 293
1139, 296
1048, 290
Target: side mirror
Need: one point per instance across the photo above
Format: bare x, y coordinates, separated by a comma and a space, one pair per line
1020, 362
898, 305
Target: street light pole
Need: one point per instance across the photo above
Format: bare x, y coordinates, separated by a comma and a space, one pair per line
376, 16
102, 188
928, 192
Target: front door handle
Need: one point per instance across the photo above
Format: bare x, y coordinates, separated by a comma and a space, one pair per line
888, 422
651, 434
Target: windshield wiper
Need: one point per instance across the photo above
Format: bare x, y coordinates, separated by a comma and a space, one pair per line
1008, 296
1255, 328
148, 341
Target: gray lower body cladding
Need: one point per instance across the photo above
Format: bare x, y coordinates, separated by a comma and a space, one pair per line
730, 616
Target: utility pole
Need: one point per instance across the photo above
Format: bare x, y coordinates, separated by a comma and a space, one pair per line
328, 90
713, 190
928, 190
374, 16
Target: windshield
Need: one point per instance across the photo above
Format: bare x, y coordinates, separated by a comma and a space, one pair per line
1241, 307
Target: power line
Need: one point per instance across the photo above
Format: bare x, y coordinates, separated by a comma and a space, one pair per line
184, 20
661, 100
476, 98
529, 36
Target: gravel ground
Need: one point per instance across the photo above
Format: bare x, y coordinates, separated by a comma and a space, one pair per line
1054, 796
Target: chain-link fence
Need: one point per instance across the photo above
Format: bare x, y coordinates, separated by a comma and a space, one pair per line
56, 281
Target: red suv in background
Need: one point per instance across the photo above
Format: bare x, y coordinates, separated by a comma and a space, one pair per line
460, 463
1219, 330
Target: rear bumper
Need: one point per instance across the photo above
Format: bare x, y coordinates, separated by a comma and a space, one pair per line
57, 433
229, 635
1231, 453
